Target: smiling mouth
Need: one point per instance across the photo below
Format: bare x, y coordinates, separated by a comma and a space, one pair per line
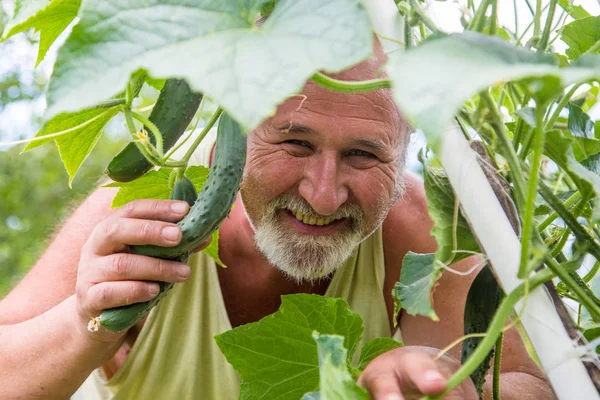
311, 220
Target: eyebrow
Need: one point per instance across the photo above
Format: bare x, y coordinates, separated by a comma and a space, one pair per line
376, 145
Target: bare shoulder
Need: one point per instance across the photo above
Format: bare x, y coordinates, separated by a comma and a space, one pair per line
407, 225
52, 279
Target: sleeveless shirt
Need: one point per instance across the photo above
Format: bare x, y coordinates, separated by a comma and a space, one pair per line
175, 355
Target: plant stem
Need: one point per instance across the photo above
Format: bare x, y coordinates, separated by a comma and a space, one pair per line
508, 151
154, 129
497, 365
495, 329
563, 102
543, 43
408, 37
528, 221
202, 134
537, 18
494, 19
478, 20
550, 218
516, 18
350, 86
130, 125
580, 233
584, 295
416, 7
590, 275
110, 103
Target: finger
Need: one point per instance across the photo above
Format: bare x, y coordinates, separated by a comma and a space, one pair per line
421, 372
164, 210
382, 386
114, 235
115, 294
126, 267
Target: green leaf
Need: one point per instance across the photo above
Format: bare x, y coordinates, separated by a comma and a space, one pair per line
336, 383
80, 133
374, 348
580, 35
436, 77
417, 279
579, 122
25, 10
255, 69
482, 302
155, 185
577, 12
559, 149
50, 18
213, 249
441, 206
277, 356
527, 114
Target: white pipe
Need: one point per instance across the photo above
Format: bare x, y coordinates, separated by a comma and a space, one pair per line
554, 347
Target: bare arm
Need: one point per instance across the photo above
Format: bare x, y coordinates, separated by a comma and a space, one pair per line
86, 269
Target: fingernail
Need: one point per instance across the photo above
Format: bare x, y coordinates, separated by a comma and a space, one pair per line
393, 396
184, 271
432, 376
171, 233
153, 290
180, 207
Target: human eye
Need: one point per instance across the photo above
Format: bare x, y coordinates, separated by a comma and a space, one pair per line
361, 153
297, 148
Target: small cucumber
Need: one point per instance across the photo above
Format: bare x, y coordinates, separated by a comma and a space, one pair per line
172, 114
184, 189
207, 213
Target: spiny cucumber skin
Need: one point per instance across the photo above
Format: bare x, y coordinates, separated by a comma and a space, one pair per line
184, 189
217, 195
172, 114
207, 213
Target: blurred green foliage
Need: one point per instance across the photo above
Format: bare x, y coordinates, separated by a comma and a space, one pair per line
35, 198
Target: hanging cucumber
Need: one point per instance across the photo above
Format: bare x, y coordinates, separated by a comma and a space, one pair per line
184, 189
172, 113
207, 213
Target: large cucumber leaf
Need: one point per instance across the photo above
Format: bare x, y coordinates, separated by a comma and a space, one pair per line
436, 77
48, 17
255, 69
580, 35
417, 280
374, 348
577, 12
277, 357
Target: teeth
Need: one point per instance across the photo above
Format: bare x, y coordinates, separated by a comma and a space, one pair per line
313, 220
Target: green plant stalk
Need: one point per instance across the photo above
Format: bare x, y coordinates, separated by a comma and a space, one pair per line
579, 310
520, 38
155, 131
497, 365
528, 218
515, 13
556, 252
561, 21
583, 294
479, 17
509, 152
494, 19
590, 275
530, 8
561, 243
550, 218
350, 86
132, 131
543, 43
408, 37
110, 103
496, 327
563, 102
416, 7
537, 18
569, 219
209, 125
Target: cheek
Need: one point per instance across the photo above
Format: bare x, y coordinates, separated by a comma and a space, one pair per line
373, 190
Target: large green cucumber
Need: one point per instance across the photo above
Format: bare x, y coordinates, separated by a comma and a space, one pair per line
172, 114
207, 213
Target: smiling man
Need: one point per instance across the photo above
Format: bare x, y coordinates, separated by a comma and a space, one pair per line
325, 207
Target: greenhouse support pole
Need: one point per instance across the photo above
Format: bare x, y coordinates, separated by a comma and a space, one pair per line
556, 351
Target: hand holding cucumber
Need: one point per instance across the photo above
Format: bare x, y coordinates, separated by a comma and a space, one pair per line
109, 276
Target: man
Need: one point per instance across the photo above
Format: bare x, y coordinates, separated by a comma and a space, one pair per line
324, 177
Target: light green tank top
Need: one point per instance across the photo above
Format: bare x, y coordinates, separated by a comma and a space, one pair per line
175, 355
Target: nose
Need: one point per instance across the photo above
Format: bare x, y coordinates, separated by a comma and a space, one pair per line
323, 184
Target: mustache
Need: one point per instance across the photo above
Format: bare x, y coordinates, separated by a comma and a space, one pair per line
299, 204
